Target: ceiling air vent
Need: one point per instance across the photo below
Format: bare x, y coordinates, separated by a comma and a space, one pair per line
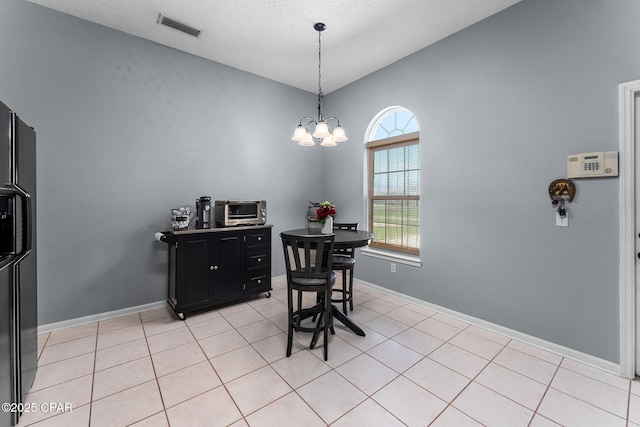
163, 20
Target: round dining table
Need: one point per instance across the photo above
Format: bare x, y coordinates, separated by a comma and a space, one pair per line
343, 239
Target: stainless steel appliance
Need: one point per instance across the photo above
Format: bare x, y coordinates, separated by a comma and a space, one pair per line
228, 213
18, 274
203, 209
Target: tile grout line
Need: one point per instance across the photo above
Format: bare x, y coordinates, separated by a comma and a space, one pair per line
334, 369
331, 369
93, 373
450, 403
366, 353
582, 400
629, 403
401, 374
293, 390
155, 375
535, 412
222, 383
377, 403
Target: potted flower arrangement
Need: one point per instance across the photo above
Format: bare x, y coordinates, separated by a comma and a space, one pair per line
324, 215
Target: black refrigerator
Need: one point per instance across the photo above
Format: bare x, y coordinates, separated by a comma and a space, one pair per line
18, 269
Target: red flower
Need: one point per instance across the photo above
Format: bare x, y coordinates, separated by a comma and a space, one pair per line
325, 211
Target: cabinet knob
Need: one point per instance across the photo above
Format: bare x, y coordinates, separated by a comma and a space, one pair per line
259, 281
213, 267
259, 259
259, 238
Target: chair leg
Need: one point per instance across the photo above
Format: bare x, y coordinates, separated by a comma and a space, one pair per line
313, 319
350, 290
290, 338
314, 338
328, 324
345, 295
299, 309
290, 323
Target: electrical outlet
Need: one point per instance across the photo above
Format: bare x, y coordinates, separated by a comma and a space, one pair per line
393, 268
562, 221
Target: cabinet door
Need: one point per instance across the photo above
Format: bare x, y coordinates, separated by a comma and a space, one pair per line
193, 272
228, 269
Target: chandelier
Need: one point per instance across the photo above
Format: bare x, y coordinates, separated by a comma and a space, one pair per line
321, 133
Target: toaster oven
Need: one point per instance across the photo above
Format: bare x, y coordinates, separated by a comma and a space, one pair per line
228, 213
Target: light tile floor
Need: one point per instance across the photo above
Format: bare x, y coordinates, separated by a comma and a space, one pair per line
415, 367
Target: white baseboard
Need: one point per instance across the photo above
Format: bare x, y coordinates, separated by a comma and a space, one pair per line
585, 358
43, 329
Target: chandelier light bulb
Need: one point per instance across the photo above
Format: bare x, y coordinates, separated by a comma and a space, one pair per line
307, 140
299, 133
328, 141
322, 130
339, 135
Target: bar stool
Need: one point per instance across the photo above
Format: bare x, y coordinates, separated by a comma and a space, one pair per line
309, 269
343, 260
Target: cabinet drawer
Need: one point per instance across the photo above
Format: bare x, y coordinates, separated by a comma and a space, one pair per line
258, 238
259, 281
258, 258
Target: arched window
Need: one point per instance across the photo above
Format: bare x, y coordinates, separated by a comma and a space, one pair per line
393, 121
393, 176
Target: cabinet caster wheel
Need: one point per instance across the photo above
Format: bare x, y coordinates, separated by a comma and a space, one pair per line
267, 295
181, 316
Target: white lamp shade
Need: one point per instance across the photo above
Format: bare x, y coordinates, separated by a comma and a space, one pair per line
339, 135
322, 130
307, 140
328, 141
299, 133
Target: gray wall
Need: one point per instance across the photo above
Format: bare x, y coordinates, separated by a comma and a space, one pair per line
500, 106
128, 129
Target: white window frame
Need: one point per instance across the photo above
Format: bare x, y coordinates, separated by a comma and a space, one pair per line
388, 255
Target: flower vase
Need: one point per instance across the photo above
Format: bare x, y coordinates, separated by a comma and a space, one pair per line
327, 227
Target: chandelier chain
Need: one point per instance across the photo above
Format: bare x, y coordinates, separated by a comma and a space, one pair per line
319, 62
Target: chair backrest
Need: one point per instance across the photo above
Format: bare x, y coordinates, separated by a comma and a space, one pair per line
308, 257
353, 226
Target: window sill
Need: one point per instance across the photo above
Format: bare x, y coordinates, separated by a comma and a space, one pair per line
411, 260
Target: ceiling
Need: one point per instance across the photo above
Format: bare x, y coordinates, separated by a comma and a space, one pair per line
275, 38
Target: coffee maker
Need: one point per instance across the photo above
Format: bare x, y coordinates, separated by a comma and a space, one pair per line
203, 212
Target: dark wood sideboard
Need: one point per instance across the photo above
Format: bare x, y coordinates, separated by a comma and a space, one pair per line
215, 266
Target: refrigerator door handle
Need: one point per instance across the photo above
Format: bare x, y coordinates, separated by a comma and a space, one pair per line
27, 220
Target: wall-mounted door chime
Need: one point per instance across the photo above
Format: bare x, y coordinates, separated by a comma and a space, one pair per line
562, 191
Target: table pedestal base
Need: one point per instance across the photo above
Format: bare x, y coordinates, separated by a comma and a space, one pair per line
338, 314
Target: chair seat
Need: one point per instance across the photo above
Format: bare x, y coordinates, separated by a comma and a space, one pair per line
340, 262
312, 282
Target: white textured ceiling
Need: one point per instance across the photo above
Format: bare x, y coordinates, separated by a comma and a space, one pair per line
276, 39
